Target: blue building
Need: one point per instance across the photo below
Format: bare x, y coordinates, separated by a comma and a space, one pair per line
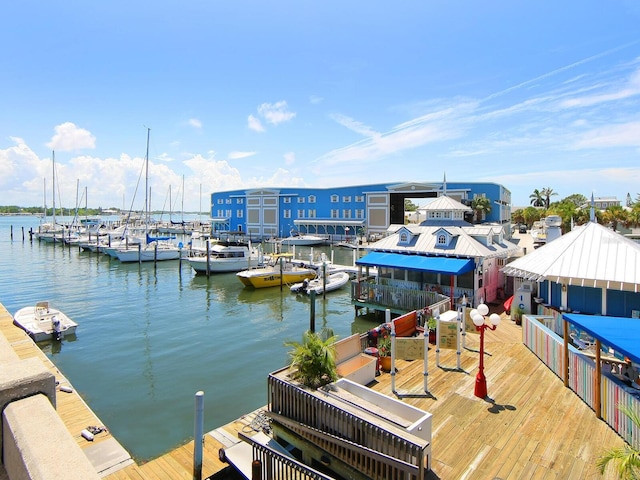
340, 212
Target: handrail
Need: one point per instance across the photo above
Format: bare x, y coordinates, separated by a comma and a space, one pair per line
277, 466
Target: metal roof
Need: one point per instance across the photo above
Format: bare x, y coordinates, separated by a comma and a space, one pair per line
590, 256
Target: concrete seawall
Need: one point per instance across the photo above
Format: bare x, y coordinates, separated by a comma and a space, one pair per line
35, 442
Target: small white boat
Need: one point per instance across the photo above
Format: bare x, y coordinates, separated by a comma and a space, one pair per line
227, 256
318, 285
300, 239
44, 323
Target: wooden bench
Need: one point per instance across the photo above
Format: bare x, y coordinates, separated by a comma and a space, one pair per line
407, 325
352, 363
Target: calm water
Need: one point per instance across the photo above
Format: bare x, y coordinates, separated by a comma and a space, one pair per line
148, 339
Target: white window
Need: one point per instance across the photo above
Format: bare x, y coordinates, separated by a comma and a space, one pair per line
334, 198
300, 199
334, 213
359, 213
220, 201
311, 213
346, 213
359, 198
346, 199
240, 201
300, 213
286, 213
228, 201
312, 199
239, 213
227, 213
286, 200
404, 237
442, 239
220, 213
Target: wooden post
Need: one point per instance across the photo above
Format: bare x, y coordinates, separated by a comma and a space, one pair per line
597, 382
312, 311
565, 366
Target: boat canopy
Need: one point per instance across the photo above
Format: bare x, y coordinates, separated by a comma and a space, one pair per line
451, 266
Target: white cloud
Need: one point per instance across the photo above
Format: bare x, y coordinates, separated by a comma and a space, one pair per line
69, 137
255, 124
314, 99
275, 113
239, 155
289, 158
614, 136
354, 125
195, 123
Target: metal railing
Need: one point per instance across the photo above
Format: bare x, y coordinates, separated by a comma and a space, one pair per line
377, 450
395, 298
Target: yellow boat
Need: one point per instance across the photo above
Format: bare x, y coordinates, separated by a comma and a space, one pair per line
281, 269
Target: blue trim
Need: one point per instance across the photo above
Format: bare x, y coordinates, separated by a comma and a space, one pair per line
451, 266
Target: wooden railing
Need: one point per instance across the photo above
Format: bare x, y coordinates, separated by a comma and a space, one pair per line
377, 450
549, 347
395, 298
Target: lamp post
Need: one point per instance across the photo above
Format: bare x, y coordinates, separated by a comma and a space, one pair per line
478, 317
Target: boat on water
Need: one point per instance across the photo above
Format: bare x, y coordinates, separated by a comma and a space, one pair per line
281, 269
296, 238
43, 322
227, 256
319, 285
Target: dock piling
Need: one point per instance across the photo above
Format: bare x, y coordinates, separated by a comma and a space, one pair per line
198, 437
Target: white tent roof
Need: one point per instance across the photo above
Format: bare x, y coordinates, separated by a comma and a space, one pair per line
590, 255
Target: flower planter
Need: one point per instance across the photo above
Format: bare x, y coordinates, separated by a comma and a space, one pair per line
385, 364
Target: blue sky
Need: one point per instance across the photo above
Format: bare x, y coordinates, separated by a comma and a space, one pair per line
246, 94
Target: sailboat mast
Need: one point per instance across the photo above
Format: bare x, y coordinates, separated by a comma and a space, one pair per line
182, 207
146, 179
53, 167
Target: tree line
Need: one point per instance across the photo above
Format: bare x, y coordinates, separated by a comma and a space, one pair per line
576, 209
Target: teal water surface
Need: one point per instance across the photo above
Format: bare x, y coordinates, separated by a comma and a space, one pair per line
149, 338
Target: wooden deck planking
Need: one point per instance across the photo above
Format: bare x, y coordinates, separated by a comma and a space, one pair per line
533, 428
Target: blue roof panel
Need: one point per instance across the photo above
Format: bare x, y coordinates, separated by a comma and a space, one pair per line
451, 266
621, 334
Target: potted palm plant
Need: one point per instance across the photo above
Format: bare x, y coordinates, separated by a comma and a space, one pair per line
313, 361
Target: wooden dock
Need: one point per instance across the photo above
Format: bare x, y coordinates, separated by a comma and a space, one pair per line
532, 428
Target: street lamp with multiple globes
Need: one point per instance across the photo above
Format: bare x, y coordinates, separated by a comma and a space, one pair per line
478, 316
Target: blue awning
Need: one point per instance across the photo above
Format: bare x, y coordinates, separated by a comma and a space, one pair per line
451, 266
621, 334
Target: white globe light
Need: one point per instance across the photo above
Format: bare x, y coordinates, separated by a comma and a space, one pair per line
473, 313
478, 320
483, 309
494, 319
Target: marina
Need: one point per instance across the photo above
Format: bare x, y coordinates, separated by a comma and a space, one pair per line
150, 336
526, 410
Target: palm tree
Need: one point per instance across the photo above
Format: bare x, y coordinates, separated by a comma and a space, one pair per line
614, 215
313, 362
537, 200
480, 206
627, 458
547, 193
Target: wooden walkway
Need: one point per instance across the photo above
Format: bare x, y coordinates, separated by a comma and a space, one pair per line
533, 428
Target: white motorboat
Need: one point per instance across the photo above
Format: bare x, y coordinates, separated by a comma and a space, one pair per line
303, 239
227, 256
321, 284
155, 250
42, 322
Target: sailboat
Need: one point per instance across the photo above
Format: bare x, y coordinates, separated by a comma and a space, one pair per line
153, 249
50, 232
